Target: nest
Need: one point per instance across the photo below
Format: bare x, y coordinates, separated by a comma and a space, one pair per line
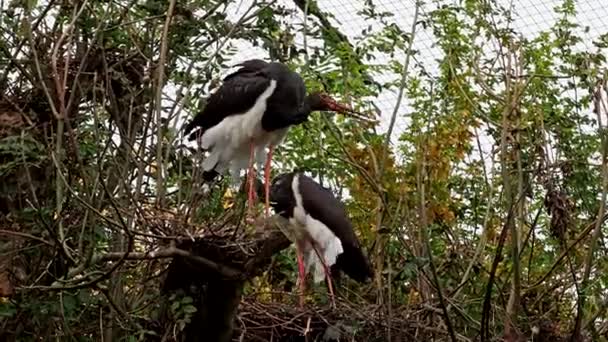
232, 256
276, 321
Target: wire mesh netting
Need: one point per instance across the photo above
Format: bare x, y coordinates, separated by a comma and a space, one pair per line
530, 18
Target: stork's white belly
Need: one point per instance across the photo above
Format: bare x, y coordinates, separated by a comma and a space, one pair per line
229, 142
309, 230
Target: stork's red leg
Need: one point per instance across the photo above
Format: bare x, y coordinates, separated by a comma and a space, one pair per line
301, 275
267, 179
250, 178
327, 275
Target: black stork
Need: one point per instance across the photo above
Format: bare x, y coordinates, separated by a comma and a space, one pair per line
252, 109
320, 227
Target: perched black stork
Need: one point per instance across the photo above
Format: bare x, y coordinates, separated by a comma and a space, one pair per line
320, 227
252, 109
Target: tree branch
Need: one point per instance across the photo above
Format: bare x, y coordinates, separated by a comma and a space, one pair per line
172, 252
159, 89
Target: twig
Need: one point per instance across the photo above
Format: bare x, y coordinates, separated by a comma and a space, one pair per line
25, 235
159, 88
29, 28
482, 240
597, 231
172, 252
427, 244
404, 74
485, 319
565, 252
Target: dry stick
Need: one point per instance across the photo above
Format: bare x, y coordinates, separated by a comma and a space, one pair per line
307, 68
37, 206
404, 74
85, 203
597, 232
73, 91
514, 97
482, 240
510, 104
476, 108
63, 119
427, 243
159, 90
485, 319
60, 85
382, 162
601, 103
119, 263
29, 28
172, 252
351, 160
88, 220
45, 89
66, 120
25, 235
579, 238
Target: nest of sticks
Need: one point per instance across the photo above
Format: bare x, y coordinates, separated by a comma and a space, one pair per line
279, 321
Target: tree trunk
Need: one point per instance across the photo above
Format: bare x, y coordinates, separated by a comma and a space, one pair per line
217, 296
217, 309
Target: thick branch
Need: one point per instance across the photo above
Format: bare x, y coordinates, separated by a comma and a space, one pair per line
172, 252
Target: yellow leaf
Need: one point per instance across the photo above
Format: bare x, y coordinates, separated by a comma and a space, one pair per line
414, 297
228, 199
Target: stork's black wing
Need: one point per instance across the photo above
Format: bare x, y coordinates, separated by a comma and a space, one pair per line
236, 95
248, 66
321, 204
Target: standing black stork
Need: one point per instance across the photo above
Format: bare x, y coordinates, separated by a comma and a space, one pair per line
252, 109
323, 234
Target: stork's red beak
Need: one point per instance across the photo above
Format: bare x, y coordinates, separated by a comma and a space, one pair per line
343, 109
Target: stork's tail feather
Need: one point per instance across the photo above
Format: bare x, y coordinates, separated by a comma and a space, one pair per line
355, 264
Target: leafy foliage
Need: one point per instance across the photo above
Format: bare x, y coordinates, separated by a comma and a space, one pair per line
491, 204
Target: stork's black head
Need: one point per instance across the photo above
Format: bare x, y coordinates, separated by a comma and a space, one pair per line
281, 193
282, 198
